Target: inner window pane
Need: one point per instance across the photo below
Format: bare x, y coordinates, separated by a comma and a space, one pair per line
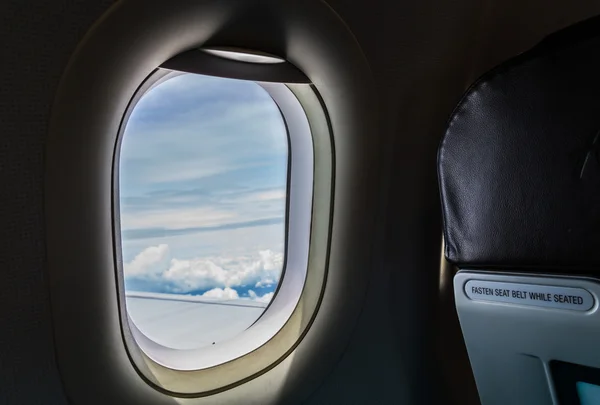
202, 190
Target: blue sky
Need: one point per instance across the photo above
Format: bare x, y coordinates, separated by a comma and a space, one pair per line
203, 170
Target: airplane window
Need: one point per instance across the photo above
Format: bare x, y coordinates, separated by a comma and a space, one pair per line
202, 177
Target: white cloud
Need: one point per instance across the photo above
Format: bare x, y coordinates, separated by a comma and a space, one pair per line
266, 298
236, 242
145, 263
271, 195
184, 276
262, 196
222, 294
265, 283
182, 170
176, 218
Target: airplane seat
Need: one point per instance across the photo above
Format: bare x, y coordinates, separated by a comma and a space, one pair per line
519, 173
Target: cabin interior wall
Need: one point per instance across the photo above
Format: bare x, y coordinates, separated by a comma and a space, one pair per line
406, 346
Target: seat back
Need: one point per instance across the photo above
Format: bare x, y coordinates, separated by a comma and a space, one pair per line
519, 172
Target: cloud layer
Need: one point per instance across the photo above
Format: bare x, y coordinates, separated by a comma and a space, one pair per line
222, 294
202, 171
153, 270
200, 154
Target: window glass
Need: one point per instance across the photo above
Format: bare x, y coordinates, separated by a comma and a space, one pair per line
202, 192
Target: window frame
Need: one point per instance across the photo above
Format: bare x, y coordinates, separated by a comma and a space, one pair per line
109, 64
297, 239
295, 303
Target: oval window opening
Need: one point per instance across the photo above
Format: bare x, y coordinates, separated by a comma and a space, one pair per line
202, 191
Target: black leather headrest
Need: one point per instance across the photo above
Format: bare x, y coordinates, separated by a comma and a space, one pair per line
519, 165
